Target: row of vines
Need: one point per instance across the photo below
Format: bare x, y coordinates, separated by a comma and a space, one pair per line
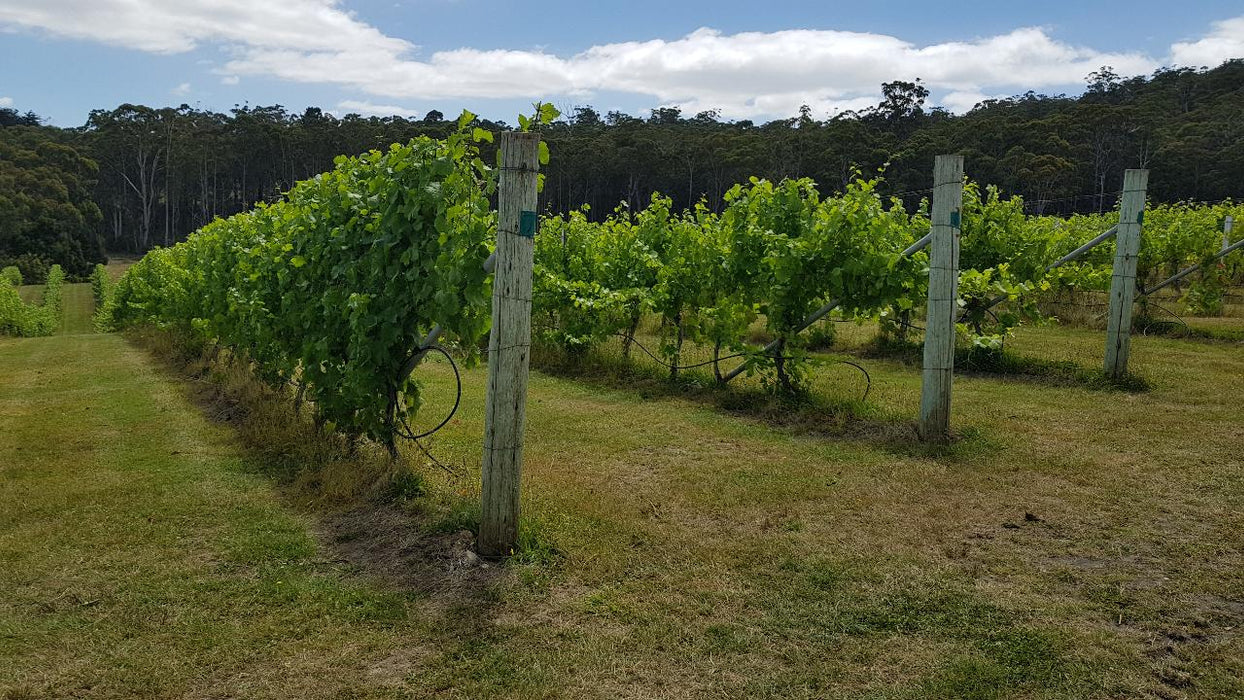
332, 289
20, 318
777, 252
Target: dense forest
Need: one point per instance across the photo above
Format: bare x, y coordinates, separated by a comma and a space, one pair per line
135, 177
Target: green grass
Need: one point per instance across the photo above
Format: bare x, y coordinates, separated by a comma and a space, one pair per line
1075, 543
138, 555
688, 530
78, 309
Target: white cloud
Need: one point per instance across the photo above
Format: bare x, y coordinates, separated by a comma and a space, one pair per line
230, 80
168, 26
6, 101
744, 75
1225, 40
181, 90
749, 74
368, 109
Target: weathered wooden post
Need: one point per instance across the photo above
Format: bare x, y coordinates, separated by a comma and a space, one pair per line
509, 343
1226, 231
939, 338
1123, 281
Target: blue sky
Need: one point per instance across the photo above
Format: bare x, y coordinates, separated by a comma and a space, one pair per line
62, 58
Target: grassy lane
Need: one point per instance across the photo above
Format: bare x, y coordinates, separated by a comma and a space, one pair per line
139, 558
78, 304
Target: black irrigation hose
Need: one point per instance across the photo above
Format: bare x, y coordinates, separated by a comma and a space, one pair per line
409, 434
868, 386
663, 363
1145, 330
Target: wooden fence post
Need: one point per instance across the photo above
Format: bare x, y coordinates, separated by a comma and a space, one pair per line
1123, 281
939, 338
509, 343
1226, 231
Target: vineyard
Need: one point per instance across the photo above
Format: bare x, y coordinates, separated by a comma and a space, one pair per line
725, 489
334, 289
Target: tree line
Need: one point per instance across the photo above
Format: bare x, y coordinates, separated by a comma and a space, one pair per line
141, 176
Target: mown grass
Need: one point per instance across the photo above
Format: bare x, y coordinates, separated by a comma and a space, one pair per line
140, 557
1078, 542
78, 312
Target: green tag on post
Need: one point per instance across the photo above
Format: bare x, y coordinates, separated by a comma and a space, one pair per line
528, 222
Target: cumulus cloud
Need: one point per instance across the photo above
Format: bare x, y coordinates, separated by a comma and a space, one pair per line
175, 26
230, 80
6, 101
369, 109
744, 75
181, 90
1225, 40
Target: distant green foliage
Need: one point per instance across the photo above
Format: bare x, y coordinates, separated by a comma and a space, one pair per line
103, 289
22, 319
15, 316
32, 267
101, 284
53, 291
12, 275
47, 214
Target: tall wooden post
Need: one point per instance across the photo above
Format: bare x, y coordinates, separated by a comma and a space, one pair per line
1226, 231
509, 343
939, 338
1123, 281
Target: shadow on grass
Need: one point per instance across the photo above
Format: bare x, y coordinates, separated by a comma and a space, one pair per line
370, 511
1182, 331
998, 651
800, 413
1006, 365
